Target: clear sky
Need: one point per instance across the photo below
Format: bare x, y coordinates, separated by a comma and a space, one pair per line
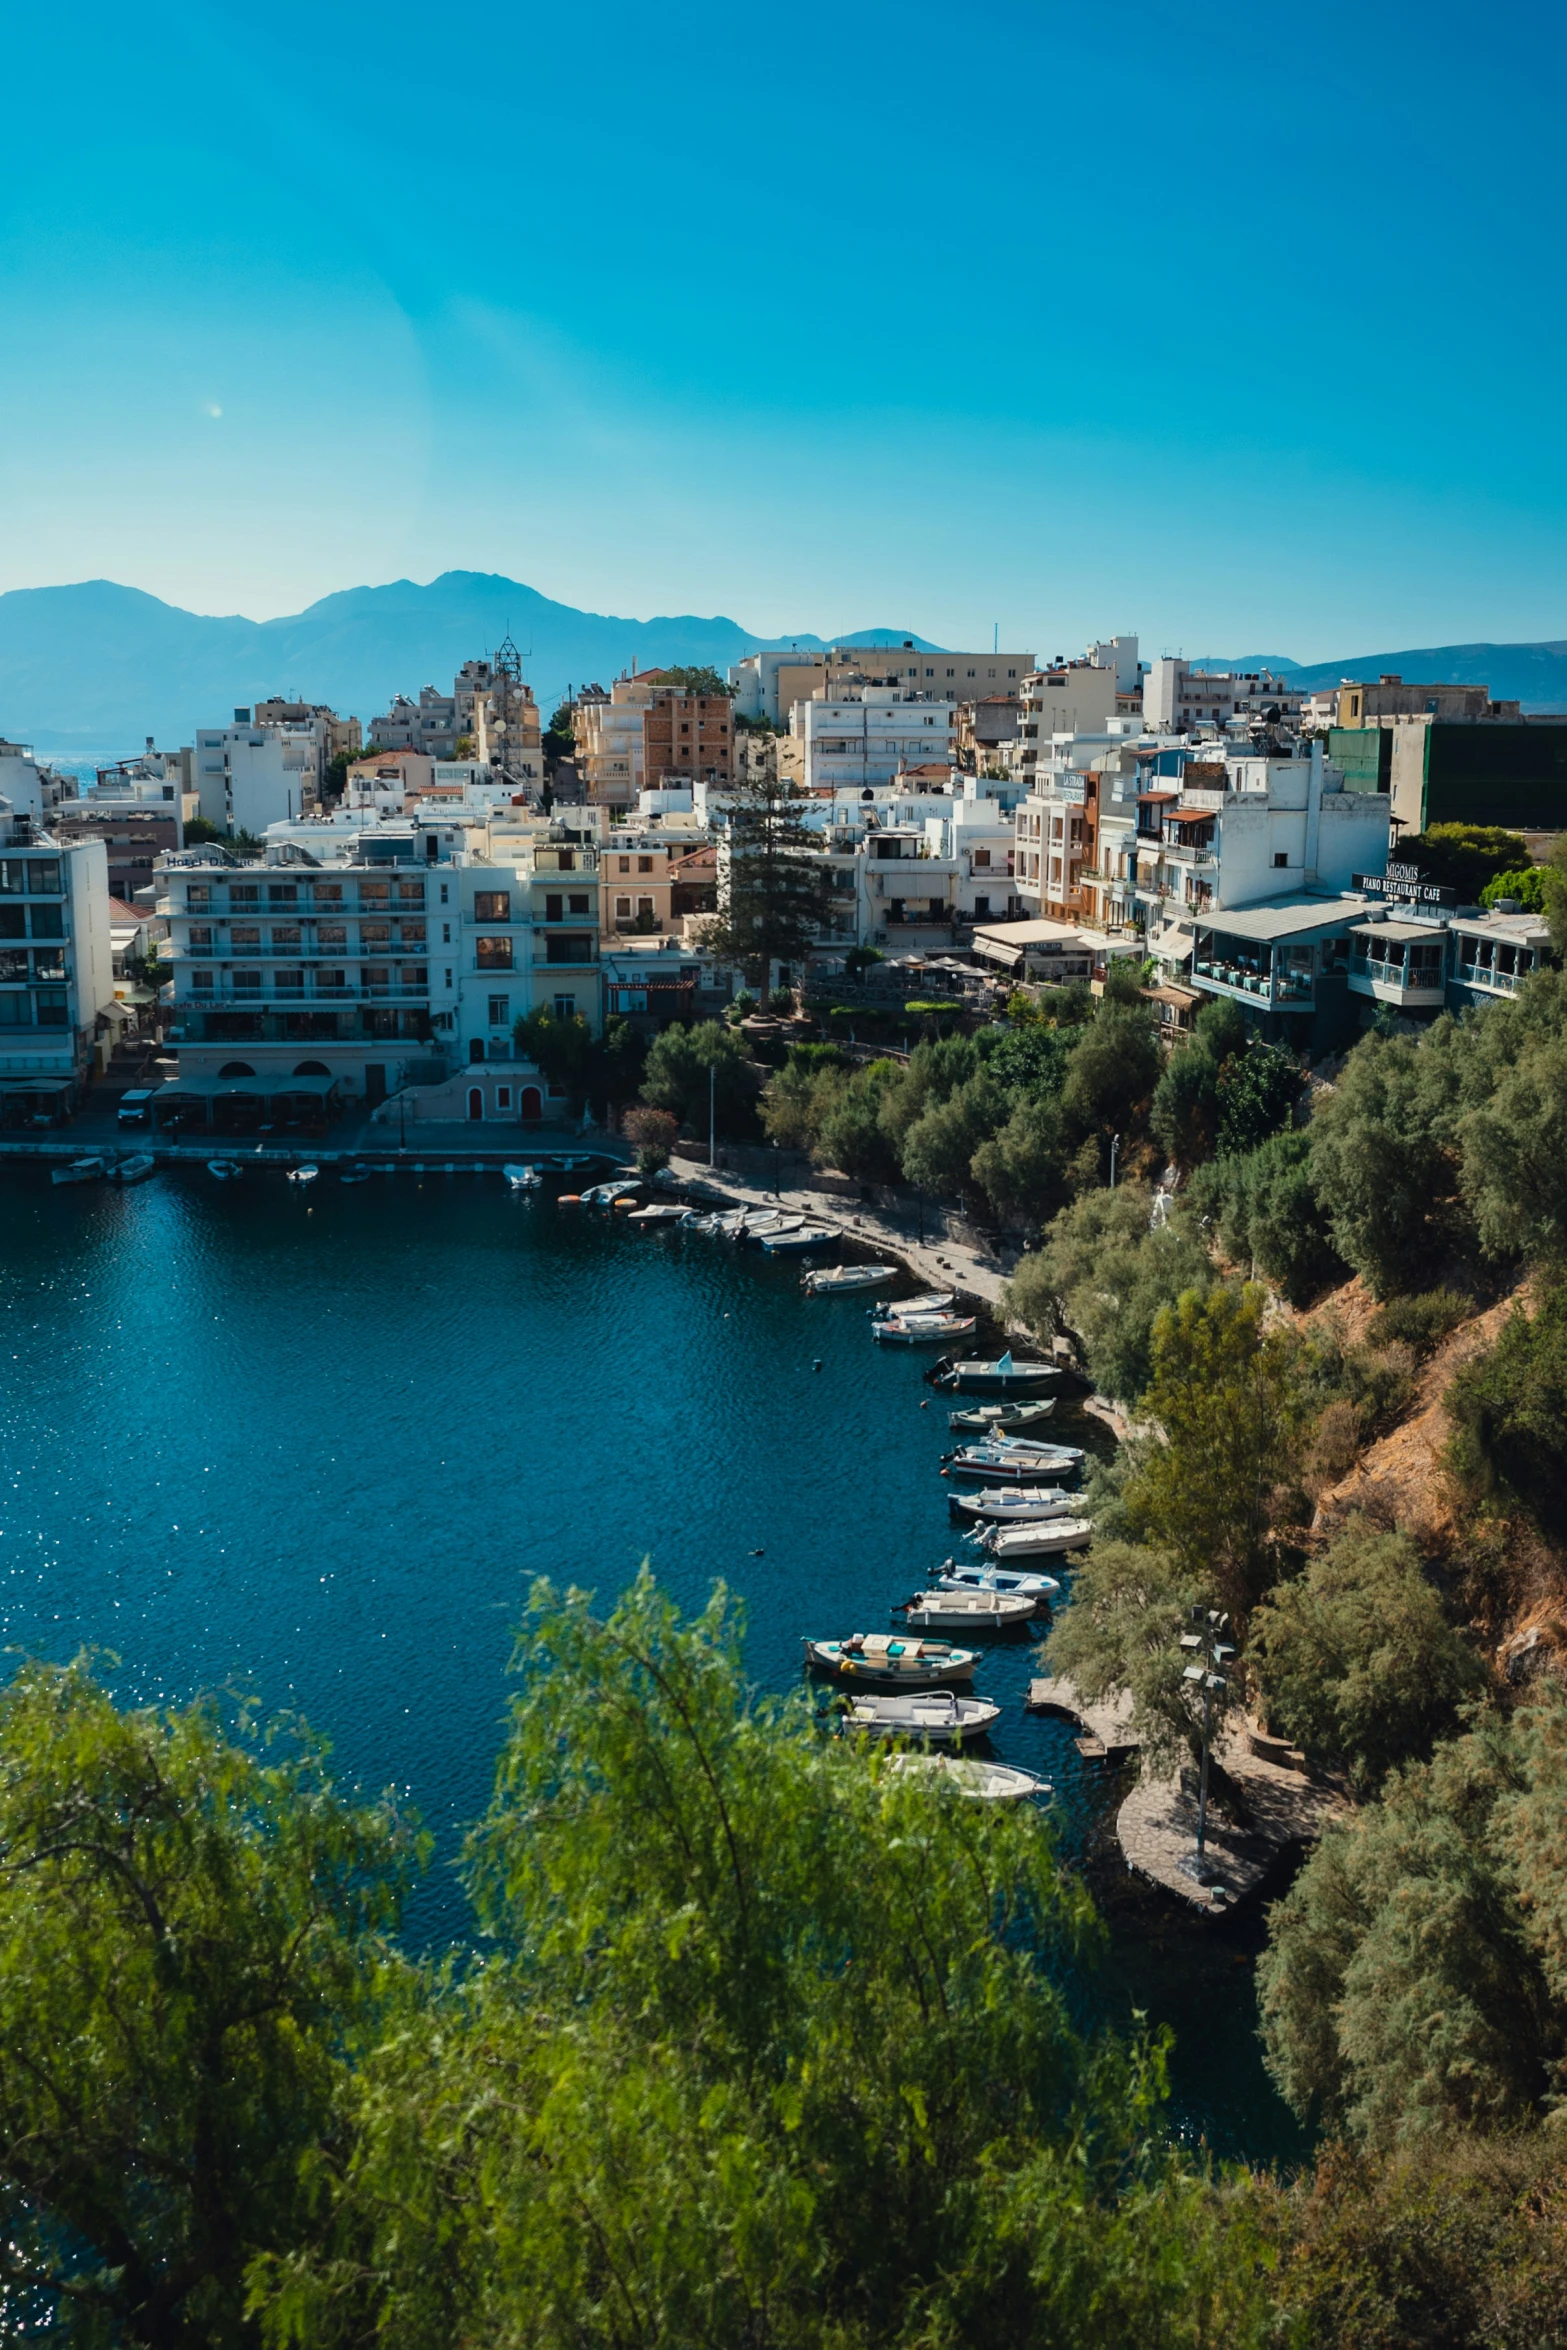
1238, 326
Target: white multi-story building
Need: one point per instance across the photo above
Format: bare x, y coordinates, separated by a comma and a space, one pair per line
869, 735
247, 777
56, 958
1076, 697
1178, 699
378, 956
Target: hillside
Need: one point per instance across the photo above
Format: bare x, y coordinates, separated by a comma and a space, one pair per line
1534, 674
88, 670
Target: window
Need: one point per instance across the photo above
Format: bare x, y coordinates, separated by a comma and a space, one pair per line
579, 903
375, 893
246, 894
198, 897
644, 864
624, 864
1281, 857
376, 975
566, 946
554, 906
410, 893
51, 1007
443, 892
622, 909
245, 982
565, 1007
644, 906
503, 1097
330, 934
48, 922
493, 954
285, 938
200, 939
413, 934
282, 893
500, 1007
492, 905
375, 934
328, 893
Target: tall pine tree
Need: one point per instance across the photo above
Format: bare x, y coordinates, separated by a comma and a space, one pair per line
773, 895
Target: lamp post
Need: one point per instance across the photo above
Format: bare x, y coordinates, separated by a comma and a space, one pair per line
1210, 1652
712, 1113
1115, 1145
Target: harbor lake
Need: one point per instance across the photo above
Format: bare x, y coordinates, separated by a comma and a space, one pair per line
313, 1444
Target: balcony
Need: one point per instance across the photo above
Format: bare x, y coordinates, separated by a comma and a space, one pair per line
220, 998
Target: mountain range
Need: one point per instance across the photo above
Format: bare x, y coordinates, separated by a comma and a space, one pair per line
88, 670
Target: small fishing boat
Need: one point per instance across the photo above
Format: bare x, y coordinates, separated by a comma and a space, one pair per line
1049, 1540
761, 1223
303, 1174
354, 1175
1002, 1419
969, 1775
663, 1212
922, 1329
881, 1660
983, 1575
522, 1178
833, 1280
1015, 1505
1001, 1376
933, 1717
994, 1463
136, 1168
568, 1199
778, 1244
225, 1170
930, 1301
967, 1611
79, 1170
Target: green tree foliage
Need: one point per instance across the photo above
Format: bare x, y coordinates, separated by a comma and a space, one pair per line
1401, 1992
566, 1053
1508, 1408
559, 740
1104, 1274
772, 2051
1526, 886
933, 1072
776, 901
1266, 1212
1257, 1093
1384, 1156
940, 1148
1464, 857
1356, 1660
698, 678
1420, 1322
1120, 1632
797, 1098
1184, 1114
1023, 1168
191, 1942
1514, 1137
1451, 2244
686, 1067
854, 1133
1026, 1058
1226, 1397
1114, 1069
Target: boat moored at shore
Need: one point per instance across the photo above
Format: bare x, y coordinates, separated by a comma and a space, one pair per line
882, 1660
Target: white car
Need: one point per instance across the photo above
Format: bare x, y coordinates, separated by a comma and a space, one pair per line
133, 1110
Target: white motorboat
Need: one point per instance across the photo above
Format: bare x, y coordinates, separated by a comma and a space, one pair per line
967, 1611
662, 1212
933, 1717
1049, 1540
136, 1168
993, 1464
983, 1575
1001, 1419
884, 1660
971, 1776
1001, 1376
833, 1280
930, 1301
303, 1174
523, 1178
922, 1329
79, 1170
354, 1175
1016, 1505
779, 1244
763, 1223
225, 1170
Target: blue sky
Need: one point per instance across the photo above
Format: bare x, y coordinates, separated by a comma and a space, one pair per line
1239, 327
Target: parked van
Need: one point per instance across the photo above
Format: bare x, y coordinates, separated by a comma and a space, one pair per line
134, 1105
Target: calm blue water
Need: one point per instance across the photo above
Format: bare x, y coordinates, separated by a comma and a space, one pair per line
314, 1446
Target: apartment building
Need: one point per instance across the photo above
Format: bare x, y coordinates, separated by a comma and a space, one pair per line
376, 957
490, 707
985, 733
768, 684
56, 964
1486, 768
1358, 702
686, 736
1178, 699
341, 738
868, 735
610, 742
650, 881
247, 776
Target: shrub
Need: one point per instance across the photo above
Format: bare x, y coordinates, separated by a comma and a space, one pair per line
1104, 1273
653, 1134
1267, 1210
1420, 1322
1357, 1662
1509, 1412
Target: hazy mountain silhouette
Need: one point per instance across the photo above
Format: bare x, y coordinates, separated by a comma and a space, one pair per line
89, 670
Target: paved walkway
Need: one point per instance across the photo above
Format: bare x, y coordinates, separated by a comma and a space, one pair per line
1157, 1828
1109, 1734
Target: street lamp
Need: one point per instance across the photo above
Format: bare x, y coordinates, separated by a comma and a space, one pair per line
1210, 1652
1115, 1144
